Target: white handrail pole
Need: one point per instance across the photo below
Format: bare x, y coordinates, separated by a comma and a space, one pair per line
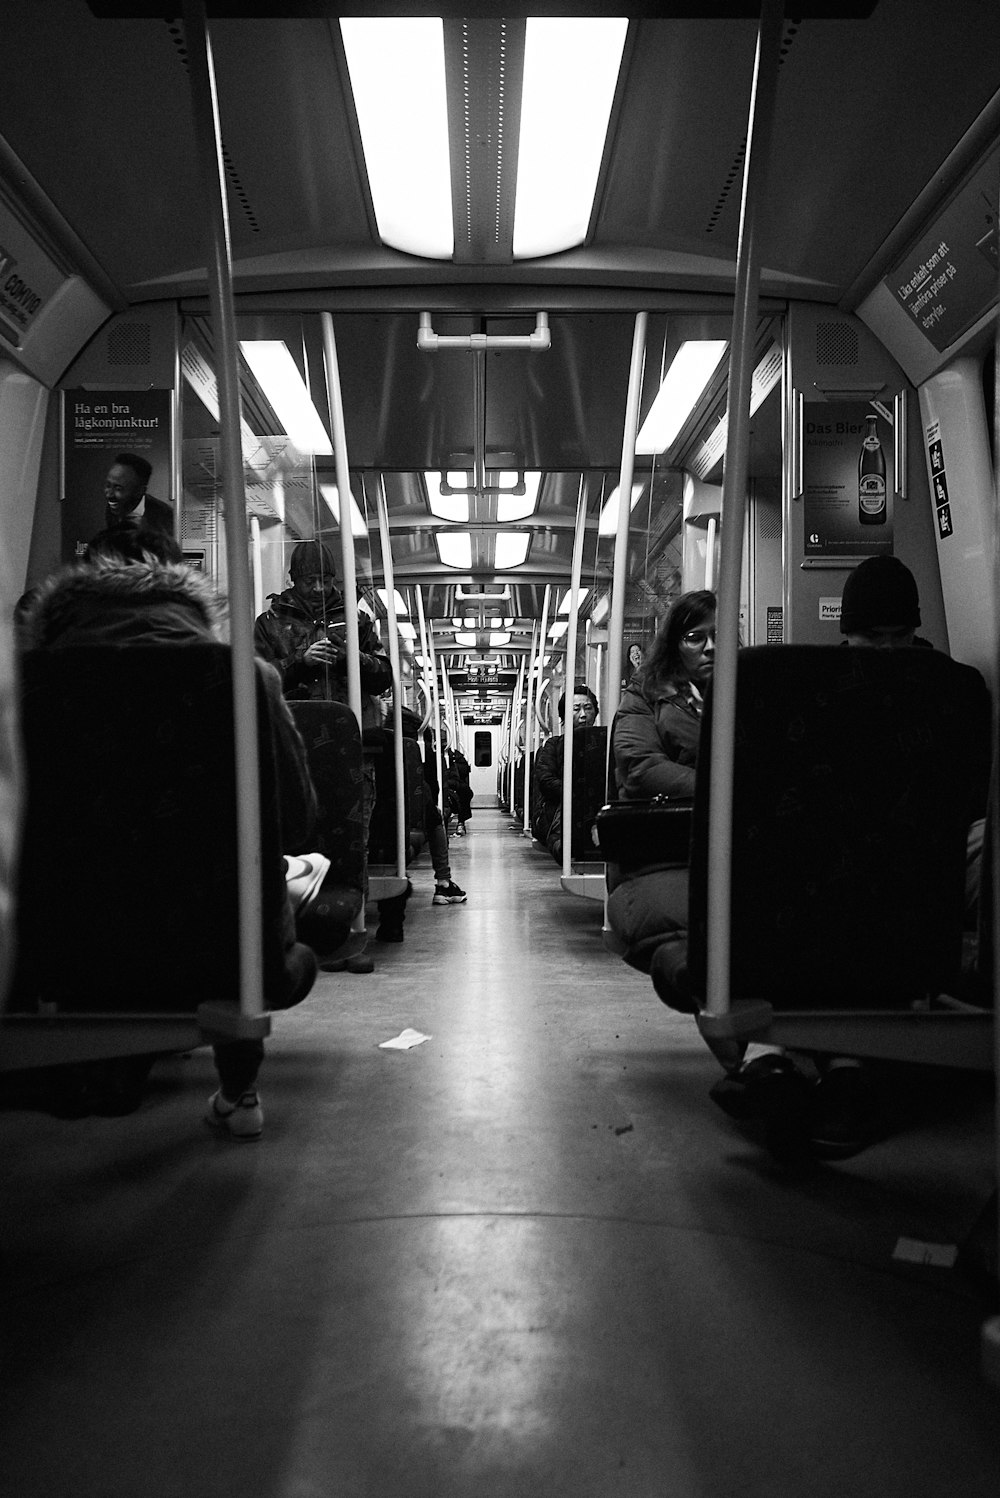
734, 482
388, 581
438, 735
220, 284
570, 694
529, 709
616, 622
348, 576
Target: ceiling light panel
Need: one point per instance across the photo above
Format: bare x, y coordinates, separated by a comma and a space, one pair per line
455, 549
398, 80
511, 549
570, 75
331, 496
683, 386
277, 374
608, 523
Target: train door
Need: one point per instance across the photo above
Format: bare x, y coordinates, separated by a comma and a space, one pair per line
483, 754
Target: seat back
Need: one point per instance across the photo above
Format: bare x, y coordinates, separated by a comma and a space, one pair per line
857, 773
128, 878
590, 789
332, 740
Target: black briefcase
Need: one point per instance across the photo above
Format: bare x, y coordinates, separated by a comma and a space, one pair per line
645, 834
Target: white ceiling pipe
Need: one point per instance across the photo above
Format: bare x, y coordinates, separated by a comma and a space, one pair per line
429, 342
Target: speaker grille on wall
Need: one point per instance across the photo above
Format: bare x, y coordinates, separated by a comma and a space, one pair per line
768, 522
129, 343
836, 343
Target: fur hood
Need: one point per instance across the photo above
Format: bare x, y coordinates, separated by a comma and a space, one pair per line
109, 600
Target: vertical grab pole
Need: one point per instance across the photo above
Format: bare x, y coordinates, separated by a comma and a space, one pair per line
515, 708
336, 404
529, 709
616, 623
220, 284
734, 480
438, 726
382, 510
531, 735
430, 687
571, 635
990, 1333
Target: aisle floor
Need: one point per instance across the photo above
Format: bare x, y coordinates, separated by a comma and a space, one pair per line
525, 1257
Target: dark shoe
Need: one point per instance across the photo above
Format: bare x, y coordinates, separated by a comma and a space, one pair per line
389, 933
845, 1113
772, 1092
669, 972
449, 894
738, 1093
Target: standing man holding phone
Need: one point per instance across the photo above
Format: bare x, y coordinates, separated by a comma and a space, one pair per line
304, 634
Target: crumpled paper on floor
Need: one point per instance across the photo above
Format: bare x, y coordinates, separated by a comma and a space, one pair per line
404, 1041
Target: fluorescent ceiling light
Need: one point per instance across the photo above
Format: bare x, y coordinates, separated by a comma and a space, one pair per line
498, 623
445, 506
400, 601
397, 76
684, 383
608, 523
567, 598
406, 631
201, 378
570, 73
455, 548
557, 630
500, 638
331, 494
469, 641
519, 506
511, 548
277, 374
600, 610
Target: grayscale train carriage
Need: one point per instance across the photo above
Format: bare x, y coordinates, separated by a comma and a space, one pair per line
498, 666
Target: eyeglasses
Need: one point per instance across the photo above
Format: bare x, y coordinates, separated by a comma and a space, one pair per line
698, 638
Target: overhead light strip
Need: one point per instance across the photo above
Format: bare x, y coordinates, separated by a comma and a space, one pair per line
398, 80
570, 75
683, 386
277, 374
608, 523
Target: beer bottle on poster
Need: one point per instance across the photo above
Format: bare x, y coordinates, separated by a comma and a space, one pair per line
871, 477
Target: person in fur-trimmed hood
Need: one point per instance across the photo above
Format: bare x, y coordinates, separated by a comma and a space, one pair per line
134, 589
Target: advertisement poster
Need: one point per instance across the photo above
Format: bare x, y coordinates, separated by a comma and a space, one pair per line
939, 481
97, 424
949, 279
847, 459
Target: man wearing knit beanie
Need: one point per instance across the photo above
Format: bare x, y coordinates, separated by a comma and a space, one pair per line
880, 605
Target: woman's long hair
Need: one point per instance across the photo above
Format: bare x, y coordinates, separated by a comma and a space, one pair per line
663, 663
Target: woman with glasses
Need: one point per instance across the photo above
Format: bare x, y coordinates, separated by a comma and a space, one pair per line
656, 729
654, 740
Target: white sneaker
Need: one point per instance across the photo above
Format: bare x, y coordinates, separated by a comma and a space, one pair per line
243, 1120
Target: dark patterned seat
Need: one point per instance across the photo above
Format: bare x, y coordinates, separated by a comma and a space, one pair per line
128, 879
333, 747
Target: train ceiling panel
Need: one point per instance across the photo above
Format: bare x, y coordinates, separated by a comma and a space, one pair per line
98, 112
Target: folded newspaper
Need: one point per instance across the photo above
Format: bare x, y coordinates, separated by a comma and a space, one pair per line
304, 874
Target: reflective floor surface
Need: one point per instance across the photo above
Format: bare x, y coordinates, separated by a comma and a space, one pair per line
525, 1257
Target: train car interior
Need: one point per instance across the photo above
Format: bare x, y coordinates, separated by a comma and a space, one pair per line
537, 322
